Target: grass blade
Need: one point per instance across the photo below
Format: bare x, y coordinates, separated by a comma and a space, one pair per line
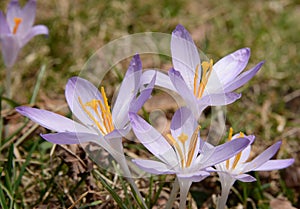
111, 191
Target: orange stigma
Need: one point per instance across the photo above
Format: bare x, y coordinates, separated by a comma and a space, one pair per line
17, 21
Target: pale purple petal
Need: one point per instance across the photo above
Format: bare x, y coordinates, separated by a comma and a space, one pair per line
145, 93
80, 88
153, 166
127, 92
34, 31
262, 158
275, 165
224, 152
153, 140
71, 138
28, 16
219, 99
162, 79
230, 66
4, 29
13, 10
52, 120
196, 176
184, 91
246, 152
183, 121
10, 48
117, 133
245, 178
185, 56
243, 78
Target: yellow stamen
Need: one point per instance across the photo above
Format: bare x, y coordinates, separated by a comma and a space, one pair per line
91, 116
236, 160
107, 107
206, 71
238, 156
192, 147
17, 21
174, 143
104, 116
230, 134
196, 80
229, 139
241, 135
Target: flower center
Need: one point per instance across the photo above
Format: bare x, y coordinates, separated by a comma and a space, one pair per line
185, 159
238, 156
99, 112
206, 71
17, 21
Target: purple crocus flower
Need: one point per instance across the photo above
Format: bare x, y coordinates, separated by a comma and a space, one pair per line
203, 84
178, 152
236, 167
16, 29
98, 123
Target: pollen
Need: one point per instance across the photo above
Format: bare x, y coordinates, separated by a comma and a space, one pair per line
99, 112
207, 68
17, 21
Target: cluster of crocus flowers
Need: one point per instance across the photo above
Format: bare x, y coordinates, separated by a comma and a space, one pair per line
16, 29
181, 152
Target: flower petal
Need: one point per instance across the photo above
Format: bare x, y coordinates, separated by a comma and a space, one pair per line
34, 31
52, 120
10, 49
4, 29
71, 138
153, 140
224, 152
162, 80
80, 88
275, 165
185, 56
246, 152
245, 178
184, 91
183, 121
153, 166
145, 93
13, 10
127, 92
262, 158
230, 66
243, 78
194, 176
28, 16
219, 99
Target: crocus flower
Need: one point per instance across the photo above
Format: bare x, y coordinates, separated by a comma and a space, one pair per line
98, 124
178, 152
203, 84
236, 167
16, 29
